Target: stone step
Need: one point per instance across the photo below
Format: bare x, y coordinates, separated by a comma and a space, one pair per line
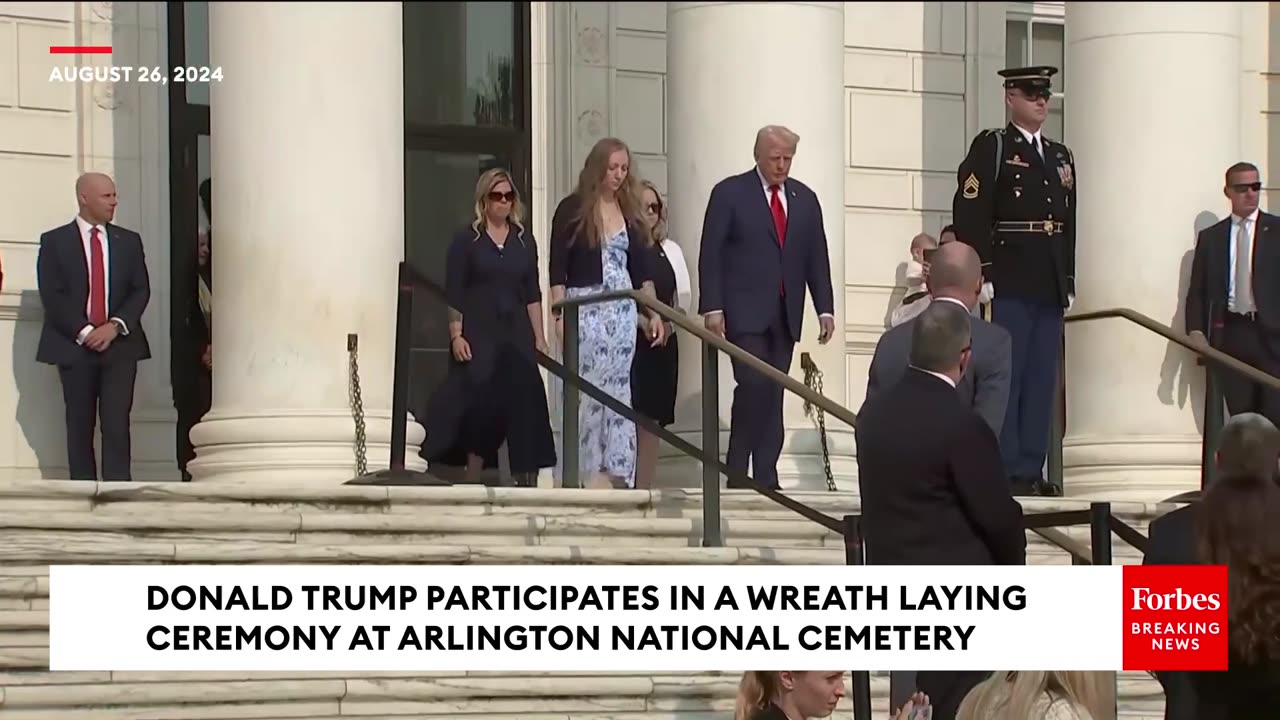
462, 499
261, 696
169, 515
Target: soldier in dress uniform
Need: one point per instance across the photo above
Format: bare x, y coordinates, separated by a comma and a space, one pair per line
1016, 205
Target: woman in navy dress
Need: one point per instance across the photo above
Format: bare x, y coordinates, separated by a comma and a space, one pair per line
597, 245
656, 370
493, 392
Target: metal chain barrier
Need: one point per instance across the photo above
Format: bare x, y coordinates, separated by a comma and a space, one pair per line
813, 380
357, 403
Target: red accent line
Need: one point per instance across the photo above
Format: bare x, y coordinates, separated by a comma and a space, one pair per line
80, 50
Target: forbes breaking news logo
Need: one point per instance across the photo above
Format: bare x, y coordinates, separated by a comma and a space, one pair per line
1175, 617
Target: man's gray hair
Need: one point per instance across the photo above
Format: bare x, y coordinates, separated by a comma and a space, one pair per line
1250, 445
939, 336
775, 133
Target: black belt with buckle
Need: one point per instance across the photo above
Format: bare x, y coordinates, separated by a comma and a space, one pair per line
1044, 227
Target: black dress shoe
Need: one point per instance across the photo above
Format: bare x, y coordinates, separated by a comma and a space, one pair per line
1025, 487
1044, 488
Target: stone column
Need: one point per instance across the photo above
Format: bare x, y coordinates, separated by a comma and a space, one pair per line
733, 67
308, 166
1152, 119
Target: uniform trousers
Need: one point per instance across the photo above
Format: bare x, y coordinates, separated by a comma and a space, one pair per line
1035, 327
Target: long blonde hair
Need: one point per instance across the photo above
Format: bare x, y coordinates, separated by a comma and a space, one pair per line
1013, 695
659, 231
488, 180
756, 691
590, 189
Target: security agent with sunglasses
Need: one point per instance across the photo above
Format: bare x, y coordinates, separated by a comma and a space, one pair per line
1016, 205
1233, 297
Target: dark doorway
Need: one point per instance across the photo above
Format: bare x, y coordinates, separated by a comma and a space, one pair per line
189, 166
467, 109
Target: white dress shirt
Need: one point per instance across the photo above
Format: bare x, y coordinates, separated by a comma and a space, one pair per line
940, 376
86, 243
1033, 138
1236, 226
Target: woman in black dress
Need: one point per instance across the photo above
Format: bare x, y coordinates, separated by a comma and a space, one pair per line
655, 370
493, 392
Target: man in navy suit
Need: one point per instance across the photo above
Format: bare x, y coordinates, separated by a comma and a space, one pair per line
1232, 299
94, 287
763, 243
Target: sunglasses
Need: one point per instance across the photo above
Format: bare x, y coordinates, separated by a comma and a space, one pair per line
654, 208
504, 197
1245, 187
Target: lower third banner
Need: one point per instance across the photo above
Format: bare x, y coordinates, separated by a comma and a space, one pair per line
578, 618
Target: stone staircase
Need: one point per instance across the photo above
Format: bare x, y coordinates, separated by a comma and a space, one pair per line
52, 522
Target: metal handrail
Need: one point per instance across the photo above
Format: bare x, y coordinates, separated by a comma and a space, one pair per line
698, 330
1213, 415
712, 345
1208, 353
411, 277
1098, 517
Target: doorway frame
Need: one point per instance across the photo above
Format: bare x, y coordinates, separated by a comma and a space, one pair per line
187, 122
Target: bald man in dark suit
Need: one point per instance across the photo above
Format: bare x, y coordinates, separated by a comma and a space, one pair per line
933, 486
94, 286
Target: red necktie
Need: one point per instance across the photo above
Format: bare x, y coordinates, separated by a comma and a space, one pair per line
779, 215
97, 282
779, 224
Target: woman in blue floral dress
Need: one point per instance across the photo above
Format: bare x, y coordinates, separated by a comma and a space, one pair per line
598, 245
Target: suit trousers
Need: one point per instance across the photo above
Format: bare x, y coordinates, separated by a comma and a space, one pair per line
1242, 339
1035, 327
96, 390
755, 430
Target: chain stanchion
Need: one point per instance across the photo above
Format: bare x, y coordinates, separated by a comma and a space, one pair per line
396, 473
813, 380
357, 403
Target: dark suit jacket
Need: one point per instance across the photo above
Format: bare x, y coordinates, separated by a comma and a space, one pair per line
1211, 272
985, 385
933, 487
741, 267
1171, 540
63, 276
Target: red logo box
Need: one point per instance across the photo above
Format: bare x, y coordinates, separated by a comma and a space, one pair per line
1175, 617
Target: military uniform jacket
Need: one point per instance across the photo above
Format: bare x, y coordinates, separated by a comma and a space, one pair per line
1007, 201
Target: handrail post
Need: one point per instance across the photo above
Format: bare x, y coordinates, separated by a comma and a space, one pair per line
400, 370
1213, 421
1100, 532
855, 554
1058, 428
711, 531
1100, 540
569, 408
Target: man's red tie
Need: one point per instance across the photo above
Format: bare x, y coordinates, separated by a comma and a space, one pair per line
779, 224
779, 215
97, 282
